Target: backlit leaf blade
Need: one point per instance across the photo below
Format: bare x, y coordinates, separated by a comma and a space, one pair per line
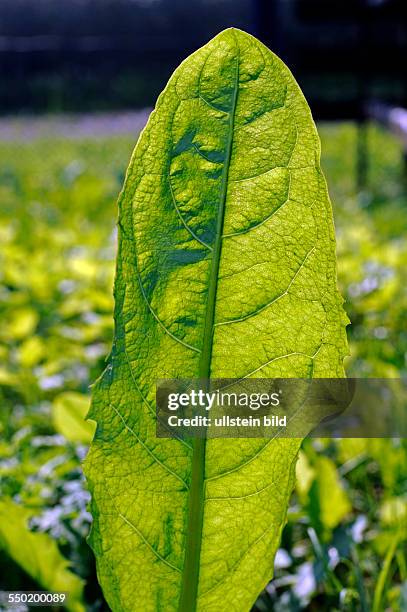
226, 268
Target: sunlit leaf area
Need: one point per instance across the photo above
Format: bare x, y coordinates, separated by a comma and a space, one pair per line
343, 547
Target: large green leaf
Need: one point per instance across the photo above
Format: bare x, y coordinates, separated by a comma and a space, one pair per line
226, 268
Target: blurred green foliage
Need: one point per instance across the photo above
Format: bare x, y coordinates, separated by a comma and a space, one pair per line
57, 230
372, 248
38, 554
344, 545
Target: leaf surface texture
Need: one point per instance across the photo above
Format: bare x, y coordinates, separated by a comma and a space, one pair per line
225, 268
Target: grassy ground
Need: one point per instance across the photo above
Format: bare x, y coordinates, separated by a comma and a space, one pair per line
343, 547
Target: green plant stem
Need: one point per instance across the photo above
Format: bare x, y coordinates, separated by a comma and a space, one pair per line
190, 578
377, 598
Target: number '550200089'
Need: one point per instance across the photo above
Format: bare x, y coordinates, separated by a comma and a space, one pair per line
32, 598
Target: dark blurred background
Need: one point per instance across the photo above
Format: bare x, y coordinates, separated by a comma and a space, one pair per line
77, 81
76, 55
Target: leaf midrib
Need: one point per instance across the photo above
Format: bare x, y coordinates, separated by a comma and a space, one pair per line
190, 574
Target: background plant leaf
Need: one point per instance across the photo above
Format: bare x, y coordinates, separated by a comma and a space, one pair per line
38, 554
69, 411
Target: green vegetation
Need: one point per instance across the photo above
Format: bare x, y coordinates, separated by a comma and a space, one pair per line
215, 279
58, 246
344, 543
